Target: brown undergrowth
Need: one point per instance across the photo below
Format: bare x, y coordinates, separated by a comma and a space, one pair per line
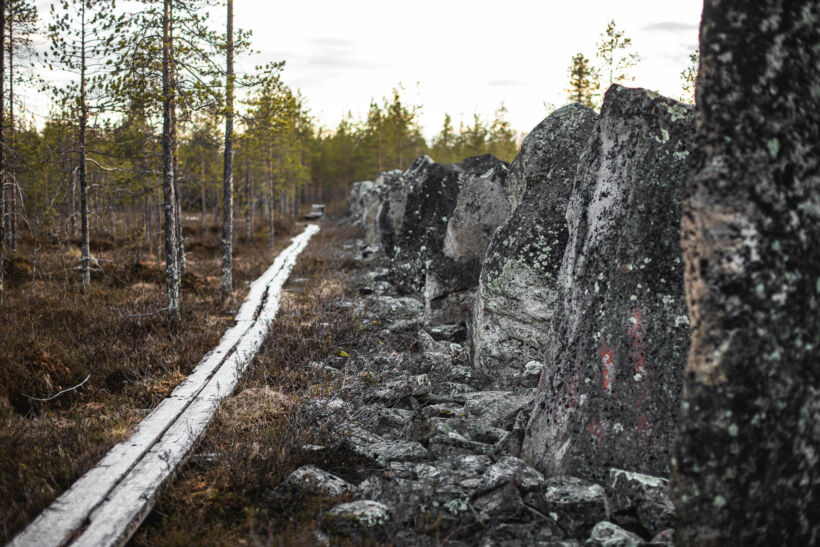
54, 335
222, 497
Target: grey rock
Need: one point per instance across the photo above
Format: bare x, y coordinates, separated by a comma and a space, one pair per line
432, 198
513, 534
444, 410
393, 198
648, 496
574, 504
497, 408
502, 504
667, 537
364, 517
607, 534
456, 445
616, 349
456, 332
396, 307
393, 420
531, 375
517, 287
480, 208
312, 481
513, 471
364, 204
541, 158
387, 451
747, 464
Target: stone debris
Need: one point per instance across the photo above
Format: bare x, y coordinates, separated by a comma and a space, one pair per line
312, 481
607, 534
357, 518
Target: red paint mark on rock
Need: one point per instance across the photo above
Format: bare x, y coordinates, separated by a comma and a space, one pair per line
597, 430
637, 332
645, 429
608, 359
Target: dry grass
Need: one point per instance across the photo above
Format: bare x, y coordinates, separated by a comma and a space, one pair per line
54, 335
258, 436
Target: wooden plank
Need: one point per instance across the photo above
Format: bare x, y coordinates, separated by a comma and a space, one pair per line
159, 433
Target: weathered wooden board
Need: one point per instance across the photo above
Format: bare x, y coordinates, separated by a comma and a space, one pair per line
110, 501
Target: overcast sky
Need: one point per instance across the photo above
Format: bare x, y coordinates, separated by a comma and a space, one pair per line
460, 56
455, 56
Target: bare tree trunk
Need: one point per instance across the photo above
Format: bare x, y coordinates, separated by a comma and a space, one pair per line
2, 140
147, 221
180, 250
86, 273
171, 270
202, 197
74, 208
249, 201
11, 193
271, 200
227, 179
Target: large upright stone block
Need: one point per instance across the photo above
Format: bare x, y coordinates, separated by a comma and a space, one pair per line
394, 190
517, 289
609, 395
747, 460
364, 204
433, 191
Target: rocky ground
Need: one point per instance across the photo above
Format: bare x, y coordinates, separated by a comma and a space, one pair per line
433, 451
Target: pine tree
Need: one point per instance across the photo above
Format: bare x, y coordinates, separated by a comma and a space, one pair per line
19, 26
472, 140
227, 178
444, 143
689, 77
584, 85
501, 141
78, 36
615, 56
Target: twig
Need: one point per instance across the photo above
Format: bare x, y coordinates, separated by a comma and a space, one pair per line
139, 315
78, 386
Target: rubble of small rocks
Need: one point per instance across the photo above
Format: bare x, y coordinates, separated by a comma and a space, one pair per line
434, 451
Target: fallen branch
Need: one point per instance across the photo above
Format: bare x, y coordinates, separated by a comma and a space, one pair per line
47, 399
140, 315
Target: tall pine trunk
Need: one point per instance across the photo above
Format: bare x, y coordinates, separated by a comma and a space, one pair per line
11, 191
171, 269
227, 179
180, 249
86, 272
2, 139
202, 196
271, 199
249, 199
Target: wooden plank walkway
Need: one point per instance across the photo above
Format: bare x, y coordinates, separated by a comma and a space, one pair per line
107, 504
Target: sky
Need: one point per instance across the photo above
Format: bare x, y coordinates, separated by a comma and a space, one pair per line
460, 56
454, 56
